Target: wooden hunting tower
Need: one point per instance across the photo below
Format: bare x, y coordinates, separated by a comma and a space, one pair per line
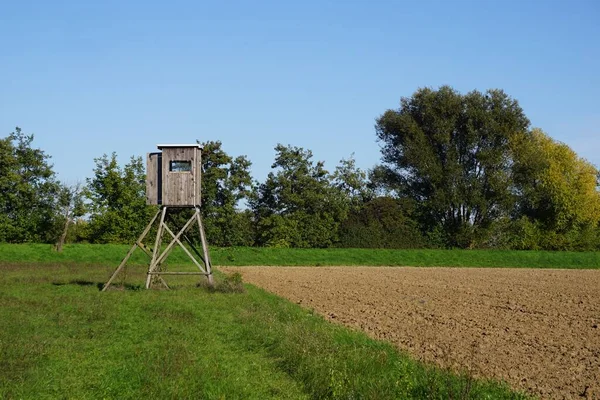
173, 176
173, 181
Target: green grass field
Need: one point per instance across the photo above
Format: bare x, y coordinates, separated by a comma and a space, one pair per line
60, 337
112, 254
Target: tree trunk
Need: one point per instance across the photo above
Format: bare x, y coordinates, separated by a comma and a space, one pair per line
61, 240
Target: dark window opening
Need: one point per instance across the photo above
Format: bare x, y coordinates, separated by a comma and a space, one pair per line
180, 166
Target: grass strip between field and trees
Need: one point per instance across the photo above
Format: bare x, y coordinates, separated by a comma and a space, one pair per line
112, 254
61, 337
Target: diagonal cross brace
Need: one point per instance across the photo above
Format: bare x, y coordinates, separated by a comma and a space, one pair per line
166, 252
130, 252
157, 257
176, 239
161, 257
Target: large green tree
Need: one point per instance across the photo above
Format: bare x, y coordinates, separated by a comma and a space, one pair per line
27, 191
557, 201
297, 205
226, 184
450, 154
117, 200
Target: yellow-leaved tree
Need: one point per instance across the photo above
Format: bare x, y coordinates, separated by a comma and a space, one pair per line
556, 190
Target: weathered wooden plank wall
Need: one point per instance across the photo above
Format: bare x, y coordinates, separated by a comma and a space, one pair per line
180, 188
152, 184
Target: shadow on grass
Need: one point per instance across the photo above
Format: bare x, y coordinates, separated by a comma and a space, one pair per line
99, 285
223, 284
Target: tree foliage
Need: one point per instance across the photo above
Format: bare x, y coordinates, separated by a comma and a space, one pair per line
555, 186
117, 201
297, 205
459, 170
352, 183
558, 204
71, 205
450, 153
383, 222
27, 191
226, 183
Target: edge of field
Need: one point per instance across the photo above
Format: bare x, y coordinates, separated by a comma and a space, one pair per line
112, 254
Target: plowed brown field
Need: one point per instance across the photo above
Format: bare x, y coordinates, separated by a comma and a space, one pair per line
538, 330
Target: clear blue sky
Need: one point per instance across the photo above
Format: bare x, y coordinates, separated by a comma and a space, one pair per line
89, 78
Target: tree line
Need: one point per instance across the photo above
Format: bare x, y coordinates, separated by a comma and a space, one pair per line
457, 171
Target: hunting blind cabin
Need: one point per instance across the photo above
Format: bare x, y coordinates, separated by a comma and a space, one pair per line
173, 181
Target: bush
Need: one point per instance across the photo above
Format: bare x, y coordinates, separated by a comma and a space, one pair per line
381, 223
232, 283
525, 234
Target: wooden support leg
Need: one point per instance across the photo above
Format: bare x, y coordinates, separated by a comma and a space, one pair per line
207, 261
157, 243
158, 257
130, 252
160, 278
